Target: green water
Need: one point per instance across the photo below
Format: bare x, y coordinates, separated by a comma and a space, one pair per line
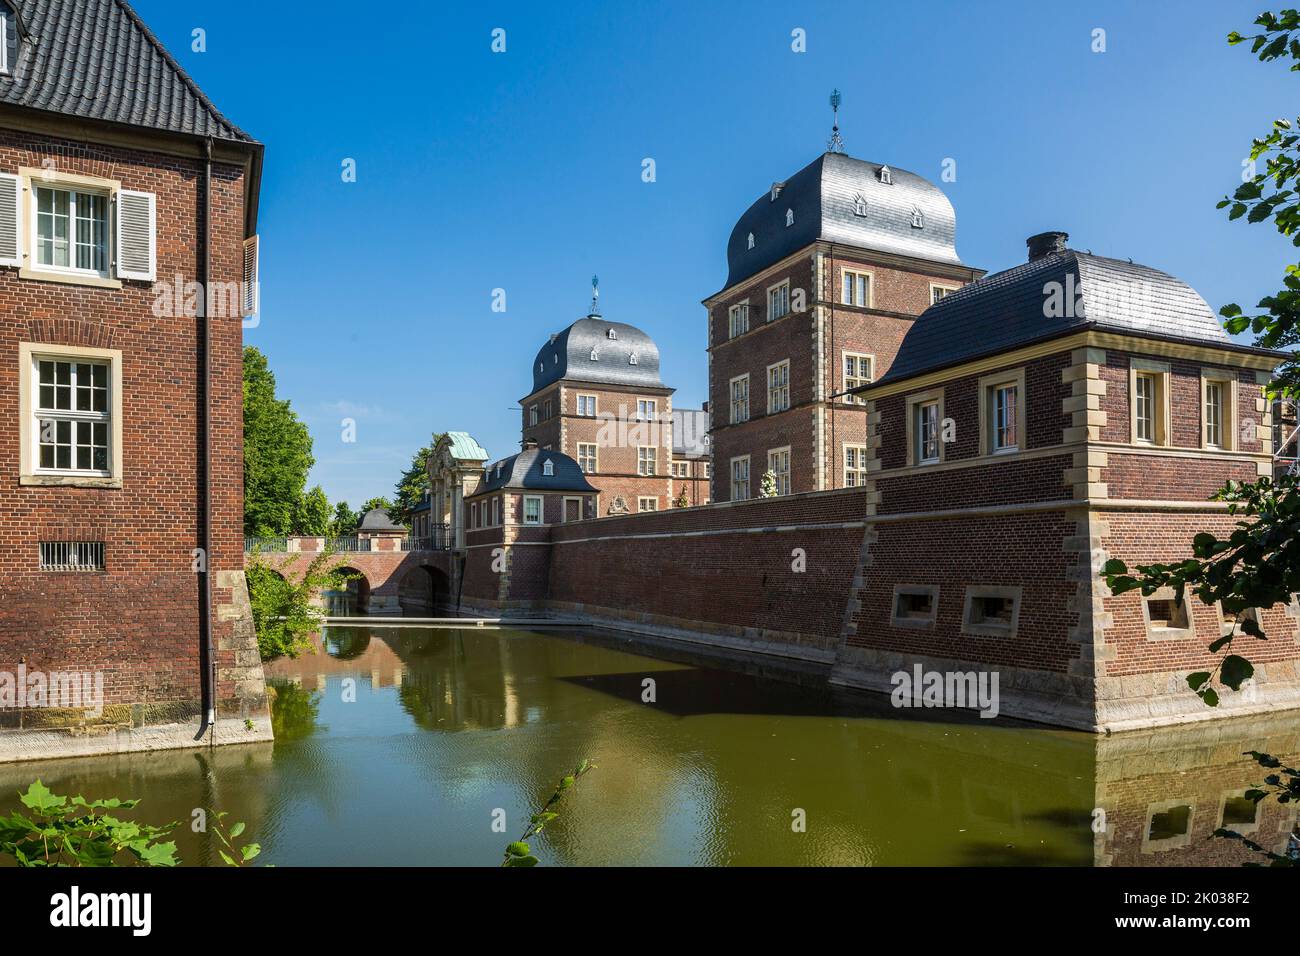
402, 746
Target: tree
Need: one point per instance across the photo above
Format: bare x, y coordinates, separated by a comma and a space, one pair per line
312, 516
372, 503
344, 522
284, 613
767, 485
1258, 564
277, 453
413, 485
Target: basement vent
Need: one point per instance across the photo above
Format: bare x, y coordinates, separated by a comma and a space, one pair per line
72, 555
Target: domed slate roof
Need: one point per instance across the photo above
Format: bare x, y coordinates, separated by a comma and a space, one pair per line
842, 199
1009, 309
376, 519
629, 358
527, 470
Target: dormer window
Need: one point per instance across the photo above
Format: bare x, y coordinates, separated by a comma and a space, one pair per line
548, 469
789, 218
886, 176
540, 368
918, 219
751, 240
612, 333
776, 191
631, 359
594, 355
8, 38
859, 205
555, 358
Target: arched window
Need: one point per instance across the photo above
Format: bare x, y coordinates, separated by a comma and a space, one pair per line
886, 176
859, 205
612, 333
631, 359
548, 468
789, 217
594, 355
918, 218
751, 240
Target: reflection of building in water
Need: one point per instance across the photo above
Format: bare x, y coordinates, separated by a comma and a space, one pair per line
1166, 792
343, 652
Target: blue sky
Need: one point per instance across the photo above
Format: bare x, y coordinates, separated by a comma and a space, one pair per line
522, 170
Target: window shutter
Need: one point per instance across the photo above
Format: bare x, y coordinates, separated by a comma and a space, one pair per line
11, 245
249, 296
136, 235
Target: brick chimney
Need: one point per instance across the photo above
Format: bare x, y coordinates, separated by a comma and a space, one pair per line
1045, 243
528, 443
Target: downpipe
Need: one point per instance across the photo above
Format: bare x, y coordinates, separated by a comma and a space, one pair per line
207, 657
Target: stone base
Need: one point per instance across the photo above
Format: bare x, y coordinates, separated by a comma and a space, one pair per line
1163, 698
384, 606
98, 741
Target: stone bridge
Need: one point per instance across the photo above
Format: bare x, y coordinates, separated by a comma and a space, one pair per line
392, 575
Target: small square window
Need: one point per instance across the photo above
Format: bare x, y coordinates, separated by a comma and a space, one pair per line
1166, 616
914, 605
1167, 824
992, 611
1240, 813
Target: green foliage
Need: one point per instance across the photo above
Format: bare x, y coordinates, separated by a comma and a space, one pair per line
767, 485
1258, 564
233, 854
312, 514
63, 831
1285, 786
344, 522
372, 503
283, 614
519, 853
682, 500
277, 453
413, 484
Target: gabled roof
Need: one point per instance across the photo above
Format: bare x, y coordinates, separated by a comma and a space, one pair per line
569, 354
527, 470
96, 59
1015, 307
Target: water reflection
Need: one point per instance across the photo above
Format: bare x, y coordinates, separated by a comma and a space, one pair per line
395, 746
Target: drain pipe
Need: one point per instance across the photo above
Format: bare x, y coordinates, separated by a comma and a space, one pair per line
207, 659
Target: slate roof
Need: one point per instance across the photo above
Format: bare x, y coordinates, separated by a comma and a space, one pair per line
568, 355
690, 432
1008, 309
526, 470
823, 196
376, 519
96, 59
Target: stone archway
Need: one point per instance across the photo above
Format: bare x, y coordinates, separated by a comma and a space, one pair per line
424, 591
353, 600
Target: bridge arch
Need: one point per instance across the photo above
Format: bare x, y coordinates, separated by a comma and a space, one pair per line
354, 598
423, 591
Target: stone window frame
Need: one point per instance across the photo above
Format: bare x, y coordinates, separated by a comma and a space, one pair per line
28, 472
1160, 370
913, 404
987, 385
860, 472
734, 311
926, 623
1223, 806
496, 510
773, 288
947, 290
642, 499
731, 399
595, 456
564, 507
653, 410
749, 478
786, 407
29, 179
845, 355
541, 510
788, 465
534, 414
1173, 842
1166, 633
1224, 626
856, 271
585, 398
1228, 426
976, 591
652, 462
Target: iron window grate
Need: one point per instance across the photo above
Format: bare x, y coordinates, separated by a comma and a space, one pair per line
72, 555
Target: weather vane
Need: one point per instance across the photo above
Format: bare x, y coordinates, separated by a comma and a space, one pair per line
595, 295
835, 144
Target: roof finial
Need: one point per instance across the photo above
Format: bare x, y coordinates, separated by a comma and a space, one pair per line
595, 297
835, 144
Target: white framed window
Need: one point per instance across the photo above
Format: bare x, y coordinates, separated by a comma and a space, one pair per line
647, 504
72, 403
496, 510
778, 387
4, 40
926, 423
855, 288
533, 415
1149, 401
1002, 412
938, 292
587, 457
532, 509
1166, 616
587, 406
71, 230
645, 409
681, 469
645, 459
859, 369
778, 463
473, 514
740, 478
778, 301
1217, 410
789, 218
547, 409
740, 398
1144, 407
855, 466
991, 611
612, 333
548, 468
750, 241
738, 319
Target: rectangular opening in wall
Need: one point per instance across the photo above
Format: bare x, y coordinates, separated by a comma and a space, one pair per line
1240, 812
1165, 612
72, 556
914, 605
992, 611
1169, 824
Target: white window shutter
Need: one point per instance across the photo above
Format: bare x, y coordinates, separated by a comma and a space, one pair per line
249, 294
11, 239
136, 235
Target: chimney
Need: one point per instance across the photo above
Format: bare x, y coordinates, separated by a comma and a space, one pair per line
528, 443
1045, 243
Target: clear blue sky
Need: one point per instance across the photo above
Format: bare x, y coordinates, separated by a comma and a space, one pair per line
522, 170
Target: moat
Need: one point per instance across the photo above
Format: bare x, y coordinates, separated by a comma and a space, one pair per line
395, 746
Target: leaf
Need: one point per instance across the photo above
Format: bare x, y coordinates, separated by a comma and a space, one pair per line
1234, 670
1210, 697
159, 854
230, 861
1217, 646
518, 848
1114, 566
1197, 680
39, 798
237, 829
522, 861
251, 851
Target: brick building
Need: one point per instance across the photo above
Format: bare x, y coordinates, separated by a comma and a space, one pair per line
123, 193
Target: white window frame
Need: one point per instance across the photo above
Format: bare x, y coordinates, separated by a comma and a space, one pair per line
496, 510
4, 44
914, 405
782, 477
1159, 373
855, 381
641, 503
1227, 412
937, 287
849, 290
681, 469
856, 476
738, 319
643, 461
541, 510
586, 400
595, 456
778, 396
30, 473
733, 401
989, 386
647, 410
781, 287
748, 479
534, 415
74, 187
